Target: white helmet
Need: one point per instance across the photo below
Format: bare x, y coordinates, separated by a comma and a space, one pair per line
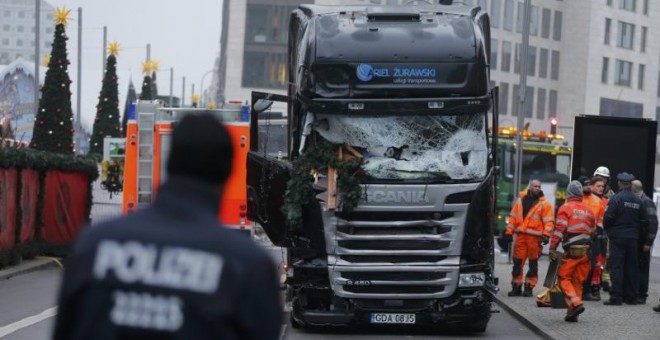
602, 171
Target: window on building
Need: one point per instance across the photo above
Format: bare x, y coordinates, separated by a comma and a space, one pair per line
628, 5
504, 98
545, 23
608, 27
520, 15
605, 70
625, 35
508, 15
552, 103
506, 56
4, 58
516, 59
20, 28
543, 63
21, 14
5, 28
534, 20
556, 26
531, 61
5, 41
609, 3
495, 13
645, 9
31, 43
19, 42
622, 72
641, 70
554, 66
7, 14
642, 43
540, 103
494, 46
264, 69
620, 108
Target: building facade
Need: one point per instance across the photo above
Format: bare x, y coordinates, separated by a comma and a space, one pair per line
593, 57
17, 29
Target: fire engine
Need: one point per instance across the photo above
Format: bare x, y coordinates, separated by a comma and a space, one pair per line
148, 138
546, 157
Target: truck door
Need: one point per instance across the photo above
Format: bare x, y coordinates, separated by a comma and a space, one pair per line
268, 170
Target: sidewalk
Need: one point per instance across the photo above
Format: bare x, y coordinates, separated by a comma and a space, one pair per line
598, 321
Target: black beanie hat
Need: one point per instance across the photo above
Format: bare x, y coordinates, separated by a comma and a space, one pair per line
201, 148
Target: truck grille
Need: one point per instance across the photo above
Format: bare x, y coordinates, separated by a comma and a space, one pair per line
394, 255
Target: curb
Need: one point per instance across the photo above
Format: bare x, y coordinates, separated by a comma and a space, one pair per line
26, 267
543, 333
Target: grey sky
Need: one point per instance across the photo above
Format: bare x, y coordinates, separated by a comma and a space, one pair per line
183, 35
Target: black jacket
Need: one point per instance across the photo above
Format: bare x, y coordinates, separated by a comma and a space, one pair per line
625, 216
170, 271
648, 233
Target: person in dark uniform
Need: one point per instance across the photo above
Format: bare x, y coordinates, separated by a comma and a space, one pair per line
646, 239
171, 270
624, 218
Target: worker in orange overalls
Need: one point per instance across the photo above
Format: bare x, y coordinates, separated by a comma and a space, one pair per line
575, 225
531, 220
593, 200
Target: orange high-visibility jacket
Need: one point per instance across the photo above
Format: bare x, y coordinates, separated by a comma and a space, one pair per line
595, 203
539, 220
575, 224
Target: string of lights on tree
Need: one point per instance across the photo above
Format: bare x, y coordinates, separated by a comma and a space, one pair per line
106, 123
53, 128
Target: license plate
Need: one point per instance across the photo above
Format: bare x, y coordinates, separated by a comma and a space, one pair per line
392, 318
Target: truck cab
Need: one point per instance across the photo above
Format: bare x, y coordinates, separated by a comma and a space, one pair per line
385, 198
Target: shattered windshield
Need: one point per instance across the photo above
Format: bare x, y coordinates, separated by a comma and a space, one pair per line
423, 147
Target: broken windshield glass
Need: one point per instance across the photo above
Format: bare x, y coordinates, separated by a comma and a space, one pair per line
451, 147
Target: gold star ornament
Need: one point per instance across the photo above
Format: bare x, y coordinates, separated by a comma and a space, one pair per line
146, 66
62, 16
46, 59
113, 48
194, 98
155, 65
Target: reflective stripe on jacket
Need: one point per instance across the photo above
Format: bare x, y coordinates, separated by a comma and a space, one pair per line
575, 224
539, 220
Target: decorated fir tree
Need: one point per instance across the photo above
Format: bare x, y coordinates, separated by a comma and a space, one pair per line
53, 126
106, 123
147, 84
131, 97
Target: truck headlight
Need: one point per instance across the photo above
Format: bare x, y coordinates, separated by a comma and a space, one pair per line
471, 280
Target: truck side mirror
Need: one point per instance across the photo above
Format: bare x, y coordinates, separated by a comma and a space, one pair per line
262, 105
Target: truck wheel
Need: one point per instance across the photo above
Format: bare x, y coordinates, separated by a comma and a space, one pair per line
295, 324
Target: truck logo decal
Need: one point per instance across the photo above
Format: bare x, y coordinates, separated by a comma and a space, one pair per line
364, 72
382, 196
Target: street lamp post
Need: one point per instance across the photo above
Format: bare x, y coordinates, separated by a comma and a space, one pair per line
521, 96
201, 89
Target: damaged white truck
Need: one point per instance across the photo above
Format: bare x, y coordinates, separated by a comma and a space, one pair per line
384, 196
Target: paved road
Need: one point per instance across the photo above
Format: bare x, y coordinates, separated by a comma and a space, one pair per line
27, 302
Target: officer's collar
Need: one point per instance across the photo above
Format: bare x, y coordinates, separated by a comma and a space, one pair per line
191, 193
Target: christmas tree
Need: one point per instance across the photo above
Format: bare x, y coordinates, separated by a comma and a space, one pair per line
131, 97
106, 123
155, 65
53, 126
147, 83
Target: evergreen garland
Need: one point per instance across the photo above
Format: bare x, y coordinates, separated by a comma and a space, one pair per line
106, 123
53, 126
299, 189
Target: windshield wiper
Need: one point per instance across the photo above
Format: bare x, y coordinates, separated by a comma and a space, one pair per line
435, 174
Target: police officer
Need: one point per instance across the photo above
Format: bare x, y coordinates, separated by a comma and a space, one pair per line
624, 218
646, 239
171, 270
